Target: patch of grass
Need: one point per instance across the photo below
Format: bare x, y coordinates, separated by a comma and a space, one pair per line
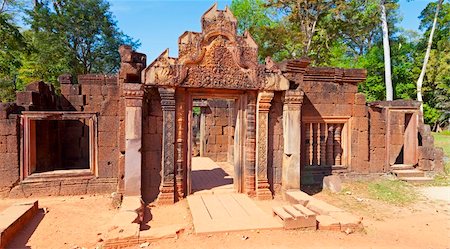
442, 139
392, 191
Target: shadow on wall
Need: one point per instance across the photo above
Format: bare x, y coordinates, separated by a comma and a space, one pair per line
152, 145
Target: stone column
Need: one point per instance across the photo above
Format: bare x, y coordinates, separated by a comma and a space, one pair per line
262, 131
180, 112
250, 141
293, 100
167, 189
133, 93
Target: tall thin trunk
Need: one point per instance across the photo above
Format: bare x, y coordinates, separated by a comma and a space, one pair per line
427, 56
387, 54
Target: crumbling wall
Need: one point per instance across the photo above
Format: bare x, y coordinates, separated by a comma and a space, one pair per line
430, 158
9, 148
377, 141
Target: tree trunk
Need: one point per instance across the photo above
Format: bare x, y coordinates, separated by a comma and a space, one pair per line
427, 56
387, 54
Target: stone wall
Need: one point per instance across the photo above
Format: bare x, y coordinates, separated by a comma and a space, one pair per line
9, 156
92, 93
220, 119
377, 141
152, 129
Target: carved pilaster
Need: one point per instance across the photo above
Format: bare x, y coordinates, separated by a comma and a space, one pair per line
250, 152
167, 190
262, 183
133, 94
293, 100
180, 112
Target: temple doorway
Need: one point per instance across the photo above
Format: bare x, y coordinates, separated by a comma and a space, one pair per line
214, 147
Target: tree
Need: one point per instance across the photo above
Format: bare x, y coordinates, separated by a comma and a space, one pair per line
12, 43
427, 56
77, 37
387, 53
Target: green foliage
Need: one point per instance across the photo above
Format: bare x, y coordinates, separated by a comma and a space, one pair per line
12, 44
78, 37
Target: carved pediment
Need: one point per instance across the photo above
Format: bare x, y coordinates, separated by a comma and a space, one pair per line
215, 58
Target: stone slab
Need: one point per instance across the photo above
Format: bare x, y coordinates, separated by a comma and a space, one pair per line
298, 197
15, 218
321, 207
325, 222
228, 212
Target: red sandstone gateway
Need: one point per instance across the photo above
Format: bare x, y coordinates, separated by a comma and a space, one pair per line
267, 127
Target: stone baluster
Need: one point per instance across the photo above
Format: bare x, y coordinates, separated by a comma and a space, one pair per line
133, 93
262, 184
330, 144
337, 145
167, 189
308, 143
323, 144
318, 145
314, 144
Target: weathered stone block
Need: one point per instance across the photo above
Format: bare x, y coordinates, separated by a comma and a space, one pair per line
110, 108
360, 99
27, 98
425, 165
12, 144
360, 110
77, 100
107, 138
108, 123
426, 153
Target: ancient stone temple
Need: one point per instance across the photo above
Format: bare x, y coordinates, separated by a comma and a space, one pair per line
270, 127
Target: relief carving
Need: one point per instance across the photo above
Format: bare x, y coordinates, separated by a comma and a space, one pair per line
215, 58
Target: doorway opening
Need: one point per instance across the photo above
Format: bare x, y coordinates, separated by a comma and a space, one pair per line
403, 139
213, 140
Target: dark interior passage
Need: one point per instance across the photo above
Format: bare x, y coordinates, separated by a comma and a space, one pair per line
60, 145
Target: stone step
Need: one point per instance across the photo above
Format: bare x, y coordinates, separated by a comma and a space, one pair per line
402, 166
14, 219
416, 180
409, 173
298, 197
294, 218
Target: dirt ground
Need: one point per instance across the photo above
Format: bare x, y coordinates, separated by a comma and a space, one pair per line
424, 224
70, 222
75, 222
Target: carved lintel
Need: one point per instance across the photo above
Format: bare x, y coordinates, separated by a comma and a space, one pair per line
264, 100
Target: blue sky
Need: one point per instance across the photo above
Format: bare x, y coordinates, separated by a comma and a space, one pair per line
159, 23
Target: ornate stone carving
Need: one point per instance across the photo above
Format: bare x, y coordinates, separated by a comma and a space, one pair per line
264, 100
180, 113
250, 145
215, 58
168, 154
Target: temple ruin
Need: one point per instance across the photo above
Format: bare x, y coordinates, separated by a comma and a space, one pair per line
276, 126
